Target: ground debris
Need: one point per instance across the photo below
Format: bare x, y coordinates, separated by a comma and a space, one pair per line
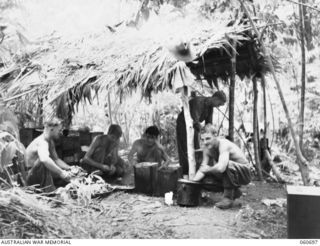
271, 219
280, 202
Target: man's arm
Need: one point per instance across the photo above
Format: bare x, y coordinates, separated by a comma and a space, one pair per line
197, 106
57, 160
132, 152
164, 157
208, 119
44, 157
222, 164
204, 164
114, 155
223, 160
88, 156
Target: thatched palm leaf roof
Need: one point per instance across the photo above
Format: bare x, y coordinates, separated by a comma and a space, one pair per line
155, 72
126, 60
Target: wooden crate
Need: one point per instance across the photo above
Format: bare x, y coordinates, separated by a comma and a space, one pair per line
303, 212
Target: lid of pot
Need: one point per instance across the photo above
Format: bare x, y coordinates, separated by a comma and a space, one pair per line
186, 181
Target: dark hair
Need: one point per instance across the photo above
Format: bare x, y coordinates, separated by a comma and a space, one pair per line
152, 131
115, 130
220, 95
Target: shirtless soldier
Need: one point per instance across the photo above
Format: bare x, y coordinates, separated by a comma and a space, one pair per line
103, 154
149, 149
226, 163
42, 158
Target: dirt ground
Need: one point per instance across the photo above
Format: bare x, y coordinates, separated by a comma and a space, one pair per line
138, 216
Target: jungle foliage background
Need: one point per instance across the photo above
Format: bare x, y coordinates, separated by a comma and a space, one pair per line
30, 25
60, 38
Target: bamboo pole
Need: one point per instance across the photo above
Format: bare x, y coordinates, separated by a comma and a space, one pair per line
190, 132
302, 162
256, 129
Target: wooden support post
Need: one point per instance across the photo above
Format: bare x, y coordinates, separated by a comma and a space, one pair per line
109, 107
302, 162
256, 129
231, 91
190, 132
303, 74
40, 112
263, 85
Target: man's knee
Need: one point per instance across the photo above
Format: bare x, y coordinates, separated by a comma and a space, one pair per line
236, 175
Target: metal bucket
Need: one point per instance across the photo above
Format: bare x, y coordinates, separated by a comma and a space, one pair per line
188, 193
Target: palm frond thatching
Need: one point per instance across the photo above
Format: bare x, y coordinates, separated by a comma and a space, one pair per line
128, 60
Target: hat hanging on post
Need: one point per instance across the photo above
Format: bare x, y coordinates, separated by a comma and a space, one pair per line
182, 50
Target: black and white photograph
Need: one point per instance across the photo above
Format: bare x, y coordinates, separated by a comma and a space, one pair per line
159, 119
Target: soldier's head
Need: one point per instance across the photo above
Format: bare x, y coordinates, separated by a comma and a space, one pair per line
218, 99
53, 127
209, 137
151, 134
115, 131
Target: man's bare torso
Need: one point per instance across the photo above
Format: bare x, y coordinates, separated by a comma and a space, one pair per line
235, 153
32, 155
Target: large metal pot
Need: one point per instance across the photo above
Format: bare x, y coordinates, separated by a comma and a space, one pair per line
188, 193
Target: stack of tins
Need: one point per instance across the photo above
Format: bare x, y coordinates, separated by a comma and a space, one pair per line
151, 181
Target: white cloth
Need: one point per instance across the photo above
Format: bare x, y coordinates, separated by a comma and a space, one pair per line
182, 76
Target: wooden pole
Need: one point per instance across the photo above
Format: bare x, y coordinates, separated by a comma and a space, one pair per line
256, 129
232, 90
302, 162
263, 85
109, 108
303, 4
303, 75
190, 132
40, 111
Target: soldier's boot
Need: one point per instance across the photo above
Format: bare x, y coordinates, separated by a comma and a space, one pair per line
237, 193
227, 200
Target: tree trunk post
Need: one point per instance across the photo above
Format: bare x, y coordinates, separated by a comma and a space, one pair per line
302, 162
263, 85
303, 74
256, 129
109, 108
190, 132
232, 90
40, 111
